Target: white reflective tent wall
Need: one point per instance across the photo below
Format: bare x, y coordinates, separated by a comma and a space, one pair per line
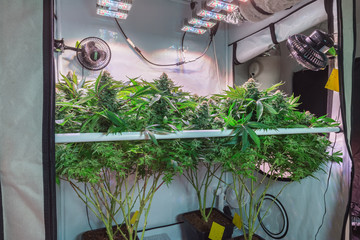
154, 26
159, 37
303, 201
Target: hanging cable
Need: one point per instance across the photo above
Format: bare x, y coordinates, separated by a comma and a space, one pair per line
204, 52
217, 65
138, 51
328, 181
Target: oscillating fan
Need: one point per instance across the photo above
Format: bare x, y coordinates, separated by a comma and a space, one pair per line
92, 53
310, 51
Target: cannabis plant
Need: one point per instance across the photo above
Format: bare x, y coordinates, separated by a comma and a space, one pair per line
120, 178
265, 159
201, 159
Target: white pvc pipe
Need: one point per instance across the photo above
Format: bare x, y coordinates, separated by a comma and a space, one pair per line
133, 136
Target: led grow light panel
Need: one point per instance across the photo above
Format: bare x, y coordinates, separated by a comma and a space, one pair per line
220, 5
193, 29
113, 14
114, 5
207, 15
200, 23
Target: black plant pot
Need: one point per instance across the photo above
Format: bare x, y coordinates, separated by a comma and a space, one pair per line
100, 234
255, 237
197, 229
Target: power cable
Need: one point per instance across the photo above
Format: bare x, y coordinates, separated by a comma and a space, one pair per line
138, 51
217, 65
163, 226
328, 182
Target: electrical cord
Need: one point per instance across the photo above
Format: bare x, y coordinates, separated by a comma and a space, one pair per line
328, 182
217, 66
327, 187
163, 226
138, 51
204, 52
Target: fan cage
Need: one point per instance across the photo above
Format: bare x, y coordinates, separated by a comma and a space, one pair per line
305, 54
91, 46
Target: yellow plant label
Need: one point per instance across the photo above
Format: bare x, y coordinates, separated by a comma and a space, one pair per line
216, 231
237, 221
134, 217
333, 82
77, 45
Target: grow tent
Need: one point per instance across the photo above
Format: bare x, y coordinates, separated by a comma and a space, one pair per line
27, 98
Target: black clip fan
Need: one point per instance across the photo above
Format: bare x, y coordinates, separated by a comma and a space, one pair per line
310, 51
92, 53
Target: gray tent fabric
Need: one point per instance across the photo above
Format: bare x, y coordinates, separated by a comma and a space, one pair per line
355, 146
347, 40
48, 131
21, 119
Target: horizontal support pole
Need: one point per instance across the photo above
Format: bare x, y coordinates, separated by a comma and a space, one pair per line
134, 136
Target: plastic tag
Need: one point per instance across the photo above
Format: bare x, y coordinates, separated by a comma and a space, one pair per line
134, 217
237, 221
77, 44
333, 82
216, 231
332, 52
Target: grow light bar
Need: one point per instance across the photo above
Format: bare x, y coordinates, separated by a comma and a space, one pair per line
114, 14
115, 5
207, 15
218, 5
187, 28
200, 23
135, 136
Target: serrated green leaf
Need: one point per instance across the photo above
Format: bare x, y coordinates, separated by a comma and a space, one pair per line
274, 87
170, 103
270, 108
75, 79
253, 136
154, 99
248, 117
259, 110
245, 140
97, 82
152, 137
114, 118
84, 100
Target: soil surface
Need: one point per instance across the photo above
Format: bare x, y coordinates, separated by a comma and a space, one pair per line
242, 238
100, 234
194, 218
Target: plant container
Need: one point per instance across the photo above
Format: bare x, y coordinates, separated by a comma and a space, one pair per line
100, 234
198, 229
255, 237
